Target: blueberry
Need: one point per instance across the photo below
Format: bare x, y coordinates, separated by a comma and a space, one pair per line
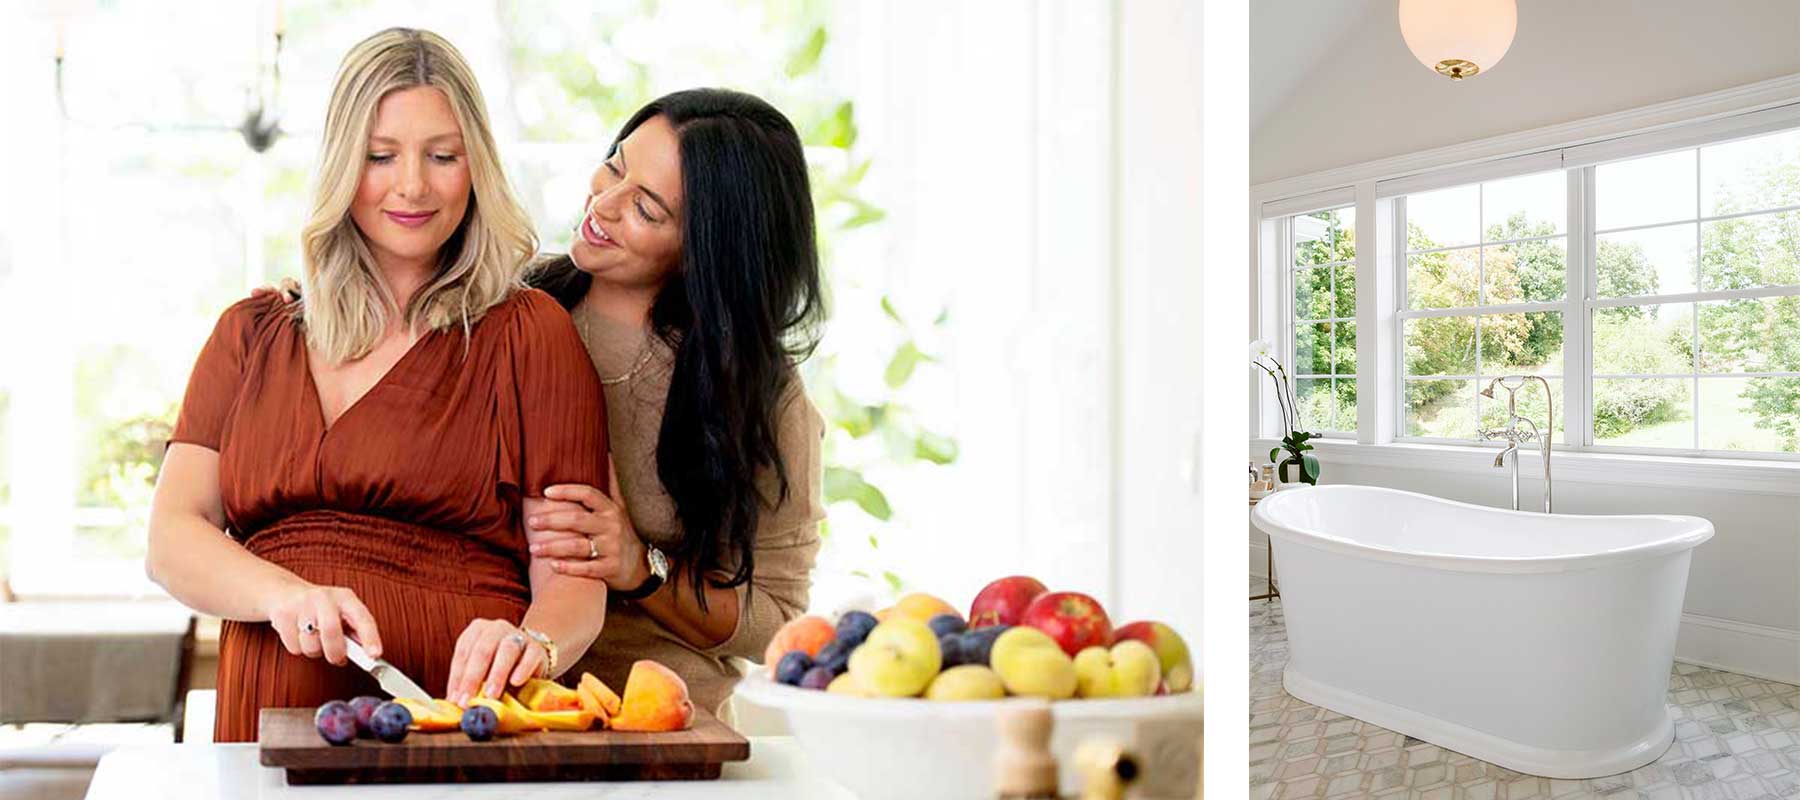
854, 626
336, 722
978, 644
365, 708
951, 646
834, 656
390, 722
480, 723
792, 666
817, 678
947, 623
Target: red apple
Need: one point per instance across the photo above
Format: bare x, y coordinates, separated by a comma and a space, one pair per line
1003, 602
1177, 665
1075, 620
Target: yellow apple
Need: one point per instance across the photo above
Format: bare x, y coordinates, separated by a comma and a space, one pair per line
899, 658
966, 682
1129, 669
1031, 664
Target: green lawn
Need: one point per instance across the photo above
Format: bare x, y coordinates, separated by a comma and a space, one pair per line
1726, 423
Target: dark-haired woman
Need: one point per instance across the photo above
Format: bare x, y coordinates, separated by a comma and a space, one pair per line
694, 281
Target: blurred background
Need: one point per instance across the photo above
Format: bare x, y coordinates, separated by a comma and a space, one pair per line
991, 372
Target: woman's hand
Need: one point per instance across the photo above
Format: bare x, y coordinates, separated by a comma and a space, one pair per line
490, 655
311, 620
595, 542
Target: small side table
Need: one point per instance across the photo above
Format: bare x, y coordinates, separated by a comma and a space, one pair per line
1268, 570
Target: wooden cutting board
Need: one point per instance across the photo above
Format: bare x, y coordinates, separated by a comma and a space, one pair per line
289, 740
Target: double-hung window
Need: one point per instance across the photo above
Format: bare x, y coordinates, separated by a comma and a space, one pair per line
1652, 278
1696, 309
1322, 325
1483, 295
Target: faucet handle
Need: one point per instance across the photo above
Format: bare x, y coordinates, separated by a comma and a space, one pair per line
1491, 434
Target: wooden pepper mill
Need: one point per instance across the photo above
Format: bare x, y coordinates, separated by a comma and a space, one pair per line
1024, 768
1107, 770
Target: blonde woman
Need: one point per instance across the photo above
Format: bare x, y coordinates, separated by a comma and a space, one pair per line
355, 460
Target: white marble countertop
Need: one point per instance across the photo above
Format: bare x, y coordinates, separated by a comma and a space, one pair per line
777, 769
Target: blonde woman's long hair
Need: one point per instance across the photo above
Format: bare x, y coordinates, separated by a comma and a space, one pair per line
347, 306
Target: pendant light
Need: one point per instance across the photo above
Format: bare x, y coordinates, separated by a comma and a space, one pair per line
1459, 38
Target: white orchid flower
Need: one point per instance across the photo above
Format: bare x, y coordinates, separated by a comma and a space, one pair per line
1260, 349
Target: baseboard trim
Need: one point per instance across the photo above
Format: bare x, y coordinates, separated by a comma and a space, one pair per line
1759, 651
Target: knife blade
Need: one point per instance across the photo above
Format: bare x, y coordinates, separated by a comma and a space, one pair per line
392, 680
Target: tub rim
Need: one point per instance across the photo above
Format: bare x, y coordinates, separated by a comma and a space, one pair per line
1699, 531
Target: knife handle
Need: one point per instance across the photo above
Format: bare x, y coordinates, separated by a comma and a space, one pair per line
358, 655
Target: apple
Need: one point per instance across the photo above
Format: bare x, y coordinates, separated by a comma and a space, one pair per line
1129, 669
1003, 602
899, 658
966, 682
923, 607
1075, 620
846, 684
1031, 664
1171, 652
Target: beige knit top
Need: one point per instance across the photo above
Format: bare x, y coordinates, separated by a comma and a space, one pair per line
787, 535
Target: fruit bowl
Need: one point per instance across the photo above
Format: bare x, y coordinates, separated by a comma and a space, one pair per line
909, 748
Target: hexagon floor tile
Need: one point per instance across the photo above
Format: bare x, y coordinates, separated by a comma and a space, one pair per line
1736, 738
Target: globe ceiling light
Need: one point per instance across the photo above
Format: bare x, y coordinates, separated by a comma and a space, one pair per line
1459, 38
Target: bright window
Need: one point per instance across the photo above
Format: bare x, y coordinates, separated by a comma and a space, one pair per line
1484, 290
1323, 323
1696, 317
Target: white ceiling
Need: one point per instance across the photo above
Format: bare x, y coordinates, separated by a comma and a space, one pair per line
1291, 38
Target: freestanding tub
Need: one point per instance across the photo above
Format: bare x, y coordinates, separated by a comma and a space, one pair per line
1541, 643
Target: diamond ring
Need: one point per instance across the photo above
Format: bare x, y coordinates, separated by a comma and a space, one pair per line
593, 549
309, 627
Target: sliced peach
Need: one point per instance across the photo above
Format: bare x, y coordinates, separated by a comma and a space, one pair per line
436, 716
541, 695
609, 699
656, 699
511, 721
577, 720
592, 704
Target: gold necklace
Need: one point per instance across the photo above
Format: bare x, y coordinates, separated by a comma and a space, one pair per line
643, 359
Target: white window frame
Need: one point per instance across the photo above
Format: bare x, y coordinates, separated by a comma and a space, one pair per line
1575, 147
1567, 307
1289, 357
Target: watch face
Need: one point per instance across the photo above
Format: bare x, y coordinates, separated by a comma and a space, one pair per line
659, 563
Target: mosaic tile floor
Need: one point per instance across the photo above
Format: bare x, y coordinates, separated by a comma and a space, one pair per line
1736, 738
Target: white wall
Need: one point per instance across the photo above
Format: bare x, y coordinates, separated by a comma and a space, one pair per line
1041, 185
1370, 98
1161, 228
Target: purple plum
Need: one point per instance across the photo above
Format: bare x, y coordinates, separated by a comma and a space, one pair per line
336, 722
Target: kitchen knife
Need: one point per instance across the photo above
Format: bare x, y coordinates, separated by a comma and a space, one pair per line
392, 680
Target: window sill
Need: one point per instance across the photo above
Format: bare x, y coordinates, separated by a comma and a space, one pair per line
1685, 472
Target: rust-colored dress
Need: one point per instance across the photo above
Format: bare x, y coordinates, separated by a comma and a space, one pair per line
410, 499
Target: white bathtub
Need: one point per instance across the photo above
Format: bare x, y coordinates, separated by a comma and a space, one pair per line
1541, 643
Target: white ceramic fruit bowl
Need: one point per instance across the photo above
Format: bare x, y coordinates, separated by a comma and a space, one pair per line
905, 749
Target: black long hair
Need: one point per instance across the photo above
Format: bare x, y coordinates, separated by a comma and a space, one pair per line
742, 307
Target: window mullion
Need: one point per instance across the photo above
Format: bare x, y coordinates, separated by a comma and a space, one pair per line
1578, 351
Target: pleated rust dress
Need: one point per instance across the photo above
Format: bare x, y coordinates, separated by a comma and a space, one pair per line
410, 499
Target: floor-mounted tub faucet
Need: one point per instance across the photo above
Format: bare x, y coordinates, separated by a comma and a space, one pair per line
1513, 435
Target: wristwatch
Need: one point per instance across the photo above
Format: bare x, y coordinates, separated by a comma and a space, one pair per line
659, 572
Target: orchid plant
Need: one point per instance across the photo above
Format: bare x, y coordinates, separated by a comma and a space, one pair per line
1262, 356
